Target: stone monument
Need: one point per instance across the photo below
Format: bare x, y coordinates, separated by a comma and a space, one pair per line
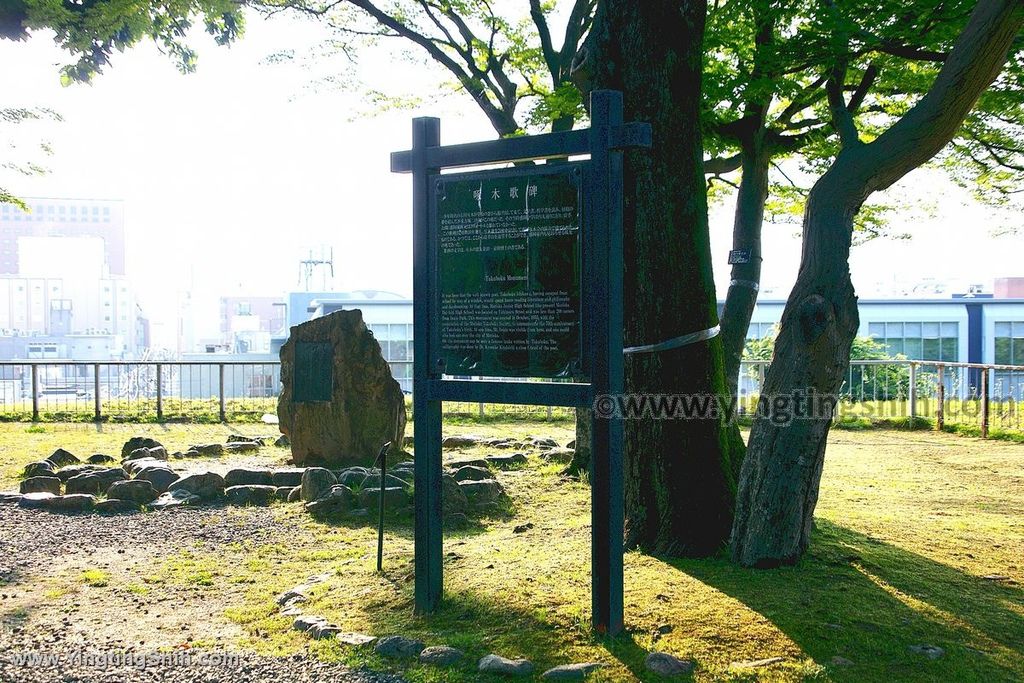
339, 403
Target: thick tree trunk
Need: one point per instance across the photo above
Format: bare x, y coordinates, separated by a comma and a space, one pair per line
746, 236
782, 470
679, 483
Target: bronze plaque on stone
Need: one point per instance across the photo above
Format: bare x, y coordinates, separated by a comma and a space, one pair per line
313, 375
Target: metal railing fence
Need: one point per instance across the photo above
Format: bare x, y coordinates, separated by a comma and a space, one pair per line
982, 396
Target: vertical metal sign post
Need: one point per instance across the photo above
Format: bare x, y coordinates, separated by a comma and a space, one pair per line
560, 261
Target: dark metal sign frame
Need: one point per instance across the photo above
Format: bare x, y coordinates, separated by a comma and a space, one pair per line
601, 294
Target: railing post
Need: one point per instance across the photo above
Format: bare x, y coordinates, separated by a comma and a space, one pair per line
984, 403
940, 412
35, 392
913, 394
223, 414
96, 390
159, 393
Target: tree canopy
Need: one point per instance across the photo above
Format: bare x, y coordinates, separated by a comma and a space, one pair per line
92, 31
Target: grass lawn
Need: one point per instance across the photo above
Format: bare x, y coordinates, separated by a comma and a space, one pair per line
919, 540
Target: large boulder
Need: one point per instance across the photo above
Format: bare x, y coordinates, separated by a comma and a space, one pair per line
65, 473
155, 453
75, 502
43, 468
137, 442
175, 498
338, 499
289, 476
365, 407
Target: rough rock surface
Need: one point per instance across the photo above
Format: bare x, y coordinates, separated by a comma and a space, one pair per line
509, 667
367, 407
136, 490
137, 442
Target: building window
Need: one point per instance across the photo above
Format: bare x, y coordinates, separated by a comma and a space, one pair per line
919, 341
1009, 338
244, 308
760, 330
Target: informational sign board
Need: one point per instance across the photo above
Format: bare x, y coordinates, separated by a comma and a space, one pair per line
313, 373
517, 273
508, 254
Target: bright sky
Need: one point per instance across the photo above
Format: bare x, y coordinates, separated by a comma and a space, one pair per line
230, 175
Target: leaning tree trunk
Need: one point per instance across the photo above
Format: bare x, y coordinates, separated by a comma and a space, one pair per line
746, 236
679, 484
782, 469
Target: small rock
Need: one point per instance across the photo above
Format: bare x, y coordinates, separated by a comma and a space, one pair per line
352, 477
207, 486
208, 449
160, 477
476, 462
929, 651
175, 498
440, 655
323, 631
41, 485
101, 459
295, 495
453, 498
155, 453
242, 447
665, 664
289, 476
472, 473
757, 663
137, 442
663, 629
338, 499
43, 468
355, 639
115, 506
840, 661
559, 455
34, 500
316, 481
95, 482
995, 577
522, 528
76, 502
571, 444
72, 471
399, 647
461, 441
133, 467
395, 497
571, 672
248, 477
136, 490
306, 622
283, 441
507, 461
482, 492
62, 458
8, 498
293, 596
251, 494
509, 667
238, 438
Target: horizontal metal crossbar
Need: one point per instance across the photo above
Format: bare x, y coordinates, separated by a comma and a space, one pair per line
569, 394
510, 150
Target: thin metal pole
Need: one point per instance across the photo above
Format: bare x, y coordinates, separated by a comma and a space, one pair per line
159, 393
984, 403
940, 414
35, 392
383, 459
96, 389
913, 395
223, 414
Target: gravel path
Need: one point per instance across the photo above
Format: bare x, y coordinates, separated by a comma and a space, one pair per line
31, 541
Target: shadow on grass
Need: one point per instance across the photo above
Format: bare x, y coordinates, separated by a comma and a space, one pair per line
867, 601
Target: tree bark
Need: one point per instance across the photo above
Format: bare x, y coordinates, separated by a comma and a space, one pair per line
746, 235
679, 479
780, 476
